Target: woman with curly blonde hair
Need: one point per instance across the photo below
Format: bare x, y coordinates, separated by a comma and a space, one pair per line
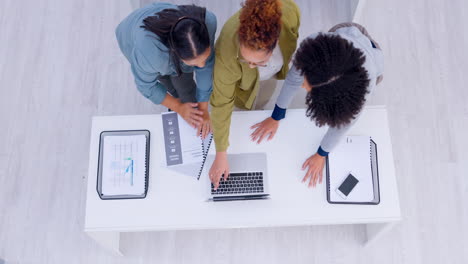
255, 44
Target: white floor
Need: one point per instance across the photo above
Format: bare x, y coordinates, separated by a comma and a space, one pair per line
60, 65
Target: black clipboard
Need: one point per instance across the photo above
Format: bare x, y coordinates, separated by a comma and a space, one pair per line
103, 134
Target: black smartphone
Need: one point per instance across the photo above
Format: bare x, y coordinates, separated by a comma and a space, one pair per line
347, 186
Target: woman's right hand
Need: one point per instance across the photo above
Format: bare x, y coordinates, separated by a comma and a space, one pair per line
190, 113
220, 166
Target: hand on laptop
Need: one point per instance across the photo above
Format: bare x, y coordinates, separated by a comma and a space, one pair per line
220, 166
267, 127
314, 172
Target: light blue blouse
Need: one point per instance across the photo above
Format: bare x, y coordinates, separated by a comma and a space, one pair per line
150, 59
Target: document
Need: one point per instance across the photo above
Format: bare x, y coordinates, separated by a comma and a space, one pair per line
124, 165
352, 155
183, 145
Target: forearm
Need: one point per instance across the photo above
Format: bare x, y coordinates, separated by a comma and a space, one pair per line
221, 120
171, 103
225, 81
203, 106
290, 87
332, 138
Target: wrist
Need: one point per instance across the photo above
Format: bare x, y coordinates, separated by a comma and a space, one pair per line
177, 107
203, 106
321, 152
320, 156
221, 154
278, 113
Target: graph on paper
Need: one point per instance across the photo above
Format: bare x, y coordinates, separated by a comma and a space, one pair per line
124, 165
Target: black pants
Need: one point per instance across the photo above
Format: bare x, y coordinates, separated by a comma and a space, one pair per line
182, 87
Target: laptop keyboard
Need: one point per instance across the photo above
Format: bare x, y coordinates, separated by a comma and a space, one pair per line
240, 183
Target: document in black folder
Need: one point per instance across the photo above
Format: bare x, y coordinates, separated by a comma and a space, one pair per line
356, 155
185, 150
123, 167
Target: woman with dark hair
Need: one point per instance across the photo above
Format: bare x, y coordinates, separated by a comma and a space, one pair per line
338, 69
255, 44
165, 44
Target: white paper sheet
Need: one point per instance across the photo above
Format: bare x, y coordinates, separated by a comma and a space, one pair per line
124, 165
192, 150
353, 156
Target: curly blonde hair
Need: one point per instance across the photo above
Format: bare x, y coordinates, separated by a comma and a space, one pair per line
260, 24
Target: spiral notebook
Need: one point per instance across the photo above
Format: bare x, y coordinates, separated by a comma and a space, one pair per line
356, 155
123, 167
185, 150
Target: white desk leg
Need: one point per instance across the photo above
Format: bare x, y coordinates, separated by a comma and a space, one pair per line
109, 240
374, 231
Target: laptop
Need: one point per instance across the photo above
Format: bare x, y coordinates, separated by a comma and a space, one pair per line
247, 179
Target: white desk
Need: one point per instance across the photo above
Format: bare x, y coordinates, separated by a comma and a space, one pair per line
178, 202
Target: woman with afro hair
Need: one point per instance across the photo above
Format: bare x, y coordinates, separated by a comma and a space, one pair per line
255, 44
338, 69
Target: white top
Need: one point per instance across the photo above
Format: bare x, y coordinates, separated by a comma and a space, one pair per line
177, 201
274, 65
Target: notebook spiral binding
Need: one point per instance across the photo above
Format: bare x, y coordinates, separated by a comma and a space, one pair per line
375, 169
147, 163
205, 154
371, 153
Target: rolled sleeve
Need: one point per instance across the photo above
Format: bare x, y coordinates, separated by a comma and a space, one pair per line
278, 113
322, 152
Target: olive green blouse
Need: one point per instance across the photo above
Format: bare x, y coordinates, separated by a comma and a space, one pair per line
235, 83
